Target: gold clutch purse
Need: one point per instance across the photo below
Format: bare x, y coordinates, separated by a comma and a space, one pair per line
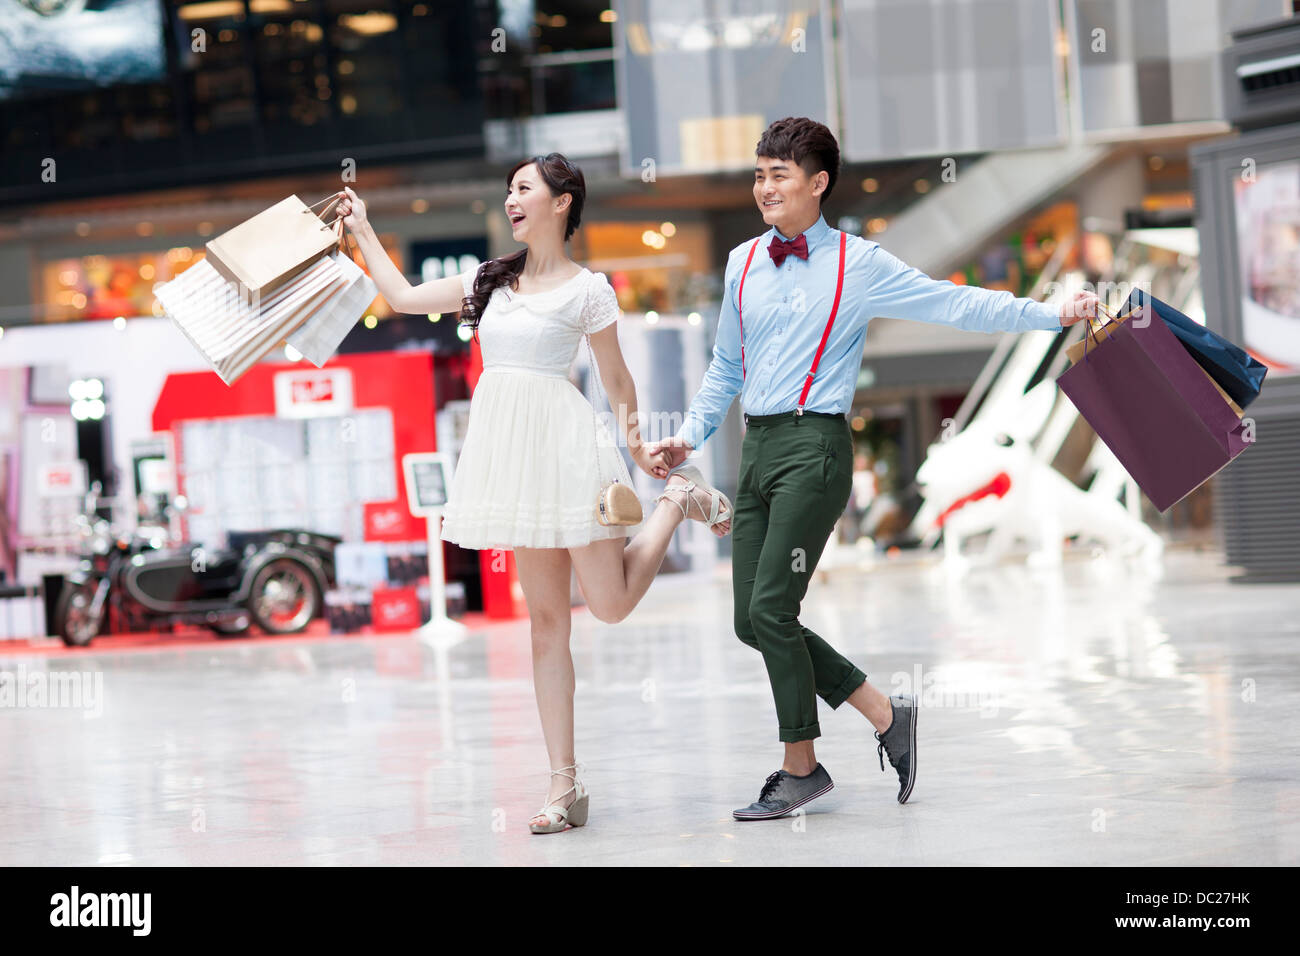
617, 504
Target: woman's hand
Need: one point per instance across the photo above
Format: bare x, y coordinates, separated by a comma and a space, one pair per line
653, 465
668, 454
352, 209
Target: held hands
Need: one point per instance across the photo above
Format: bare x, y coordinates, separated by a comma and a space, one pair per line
667, 454
1078, 307
651, 463
351, 208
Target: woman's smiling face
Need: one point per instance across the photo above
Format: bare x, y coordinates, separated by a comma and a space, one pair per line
529, 204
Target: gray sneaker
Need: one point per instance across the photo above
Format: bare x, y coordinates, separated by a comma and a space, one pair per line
899, 742
784, 792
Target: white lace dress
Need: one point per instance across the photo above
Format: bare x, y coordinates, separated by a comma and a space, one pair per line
527, 476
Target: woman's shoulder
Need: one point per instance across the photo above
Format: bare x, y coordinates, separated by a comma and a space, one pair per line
600, 307
598, 286
576, 296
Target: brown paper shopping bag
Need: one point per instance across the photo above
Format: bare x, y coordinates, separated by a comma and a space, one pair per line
263, 253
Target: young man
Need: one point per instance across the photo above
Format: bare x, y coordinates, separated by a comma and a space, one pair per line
790, 338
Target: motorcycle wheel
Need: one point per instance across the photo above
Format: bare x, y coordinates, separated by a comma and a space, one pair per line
284, 597
72, 619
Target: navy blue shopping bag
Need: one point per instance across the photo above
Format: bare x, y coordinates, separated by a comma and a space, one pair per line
1237, 372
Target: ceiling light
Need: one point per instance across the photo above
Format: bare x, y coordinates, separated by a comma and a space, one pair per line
369, 24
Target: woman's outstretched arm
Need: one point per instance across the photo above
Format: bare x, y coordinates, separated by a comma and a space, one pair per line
439, 295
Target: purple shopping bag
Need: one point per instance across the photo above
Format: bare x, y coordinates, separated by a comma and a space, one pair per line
1154, 407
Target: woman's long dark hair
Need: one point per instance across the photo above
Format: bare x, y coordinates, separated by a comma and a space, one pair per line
561, 176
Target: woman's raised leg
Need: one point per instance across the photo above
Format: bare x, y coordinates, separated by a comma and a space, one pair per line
614, 578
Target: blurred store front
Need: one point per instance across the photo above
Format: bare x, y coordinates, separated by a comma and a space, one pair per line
1022, 160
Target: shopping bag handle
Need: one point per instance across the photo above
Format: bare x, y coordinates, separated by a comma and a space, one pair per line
332, 196
1117, 318
344, 247
1090, 332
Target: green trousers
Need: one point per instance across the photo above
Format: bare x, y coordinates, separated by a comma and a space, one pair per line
795, 477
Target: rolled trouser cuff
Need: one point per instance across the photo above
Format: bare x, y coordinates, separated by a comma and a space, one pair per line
809, 732
842, 693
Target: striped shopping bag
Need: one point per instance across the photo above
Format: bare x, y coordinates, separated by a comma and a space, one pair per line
232, 330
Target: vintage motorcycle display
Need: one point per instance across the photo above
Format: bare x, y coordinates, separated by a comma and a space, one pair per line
275, 579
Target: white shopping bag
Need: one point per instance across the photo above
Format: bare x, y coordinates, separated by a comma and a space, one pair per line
319, 337
232, 332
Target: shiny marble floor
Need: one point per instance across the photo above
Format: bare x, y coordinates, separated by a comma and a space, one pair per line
1094, 715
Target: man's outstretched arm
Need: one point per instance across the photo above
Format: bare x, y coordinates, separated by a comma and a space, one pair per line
896, 290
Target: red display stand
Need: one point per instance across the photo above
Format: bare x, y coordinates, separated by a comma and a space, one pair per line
401, 382
502, 595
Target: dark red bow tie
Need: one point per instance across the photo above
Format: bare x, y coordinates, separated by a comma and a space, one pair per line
779, 248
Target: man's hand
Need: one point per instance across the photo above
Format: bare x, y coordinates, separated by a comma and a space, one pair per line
668, 454
1080, 306
653, 464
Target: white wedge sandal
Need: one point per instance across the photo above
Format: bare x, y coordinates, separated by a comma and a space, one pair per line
560, 817
720, 509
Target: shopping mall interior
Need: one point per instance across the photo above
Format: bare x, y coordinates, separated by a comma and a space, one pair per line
370, 701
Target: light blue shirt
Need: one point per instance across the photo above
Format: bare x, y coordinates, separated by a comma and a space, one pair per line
786, 310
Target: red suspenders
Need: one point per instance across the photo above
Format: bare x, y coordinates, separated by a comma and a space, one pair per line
740, 314
740, 305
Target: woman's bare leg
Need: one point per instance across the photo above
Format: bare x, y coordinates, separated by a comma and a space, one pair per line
544, 576
614, 578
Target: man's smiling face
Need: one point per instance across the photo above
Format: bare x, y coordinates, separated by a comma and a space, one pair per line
786, 195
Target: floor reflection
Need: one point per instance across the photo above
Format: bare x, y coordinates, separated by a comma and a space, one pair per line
1093, 714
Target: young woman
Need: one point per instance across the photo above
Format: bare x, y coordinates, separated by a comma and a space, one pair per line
535, 458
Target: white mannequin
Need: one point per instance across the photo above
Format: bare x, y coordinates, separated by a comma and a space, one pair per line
1040, 505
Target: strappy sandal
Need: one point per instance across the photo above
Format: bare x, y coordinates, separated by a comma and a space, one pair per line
560, 817
717, 500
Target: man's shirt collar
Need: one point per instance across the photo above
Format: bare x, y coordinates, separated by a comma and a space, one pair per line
813, 234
